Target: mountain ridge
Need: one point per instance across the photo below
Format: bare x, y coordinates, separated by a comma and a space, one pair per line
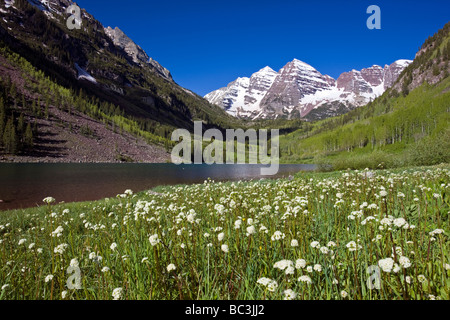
298, 88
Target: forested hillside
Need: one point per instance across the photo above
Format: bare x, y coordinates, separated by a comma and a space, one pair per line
43, 87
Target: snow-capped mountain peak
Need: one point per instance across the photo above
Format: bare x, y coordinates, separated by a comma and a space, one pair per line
243, 96
299, 89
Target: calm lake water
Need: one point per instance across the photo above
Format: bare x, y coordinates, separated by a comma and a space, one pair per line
25, 185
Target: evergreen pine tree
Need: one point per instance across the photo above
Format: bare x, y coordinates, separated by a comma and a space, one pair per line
24, 105
14, 141
7, 136
2, 117
20, 125
46, 111
34, 108
28, 138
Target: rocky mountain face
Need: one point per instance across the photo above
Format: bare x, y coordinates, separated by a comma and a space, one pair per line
430, 63
138, 55
299, 90
243, 96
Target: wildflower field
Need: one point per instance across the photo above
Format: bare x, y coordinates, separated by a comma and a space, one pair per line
345, 235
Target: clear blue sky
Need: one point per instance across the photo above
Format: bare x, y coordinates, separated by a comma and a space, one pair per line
208, 43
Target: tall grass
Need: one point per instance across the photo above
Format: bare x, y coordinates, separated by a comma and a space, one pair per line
313, 237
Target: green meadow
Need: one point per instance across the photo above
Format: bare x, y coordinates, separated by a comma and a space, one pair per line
350, 235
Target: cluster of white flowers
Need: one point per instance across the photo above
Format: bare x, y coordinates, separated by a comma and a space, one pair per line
270, 284
49, 200
60, 248
117, 293
95, 257
386, 264
300, 264
58, 232
287, 265
355, 214
154, 239
289, 294
251, 230
353, 246
278, 235
404, 262
304, 279
401, 223
171, 267
436, 232
315, 244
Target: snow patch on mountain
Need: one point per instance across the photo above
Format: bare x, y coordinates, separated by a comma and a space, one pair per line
8, 3
41, 5
83, 74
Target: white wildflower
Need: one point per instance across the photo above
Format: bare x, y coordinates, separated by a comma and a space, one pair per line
283, 264
331, 244
300, 263
272, 286
436, 231
305, 279
399, 222
74, 263
251, 230
117, 293
154, 240
404, 262
278, 235
58, 232
289, 294
353, 246
49, 200
386, 264
315, 244
171, 267
264, 281
60, 248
